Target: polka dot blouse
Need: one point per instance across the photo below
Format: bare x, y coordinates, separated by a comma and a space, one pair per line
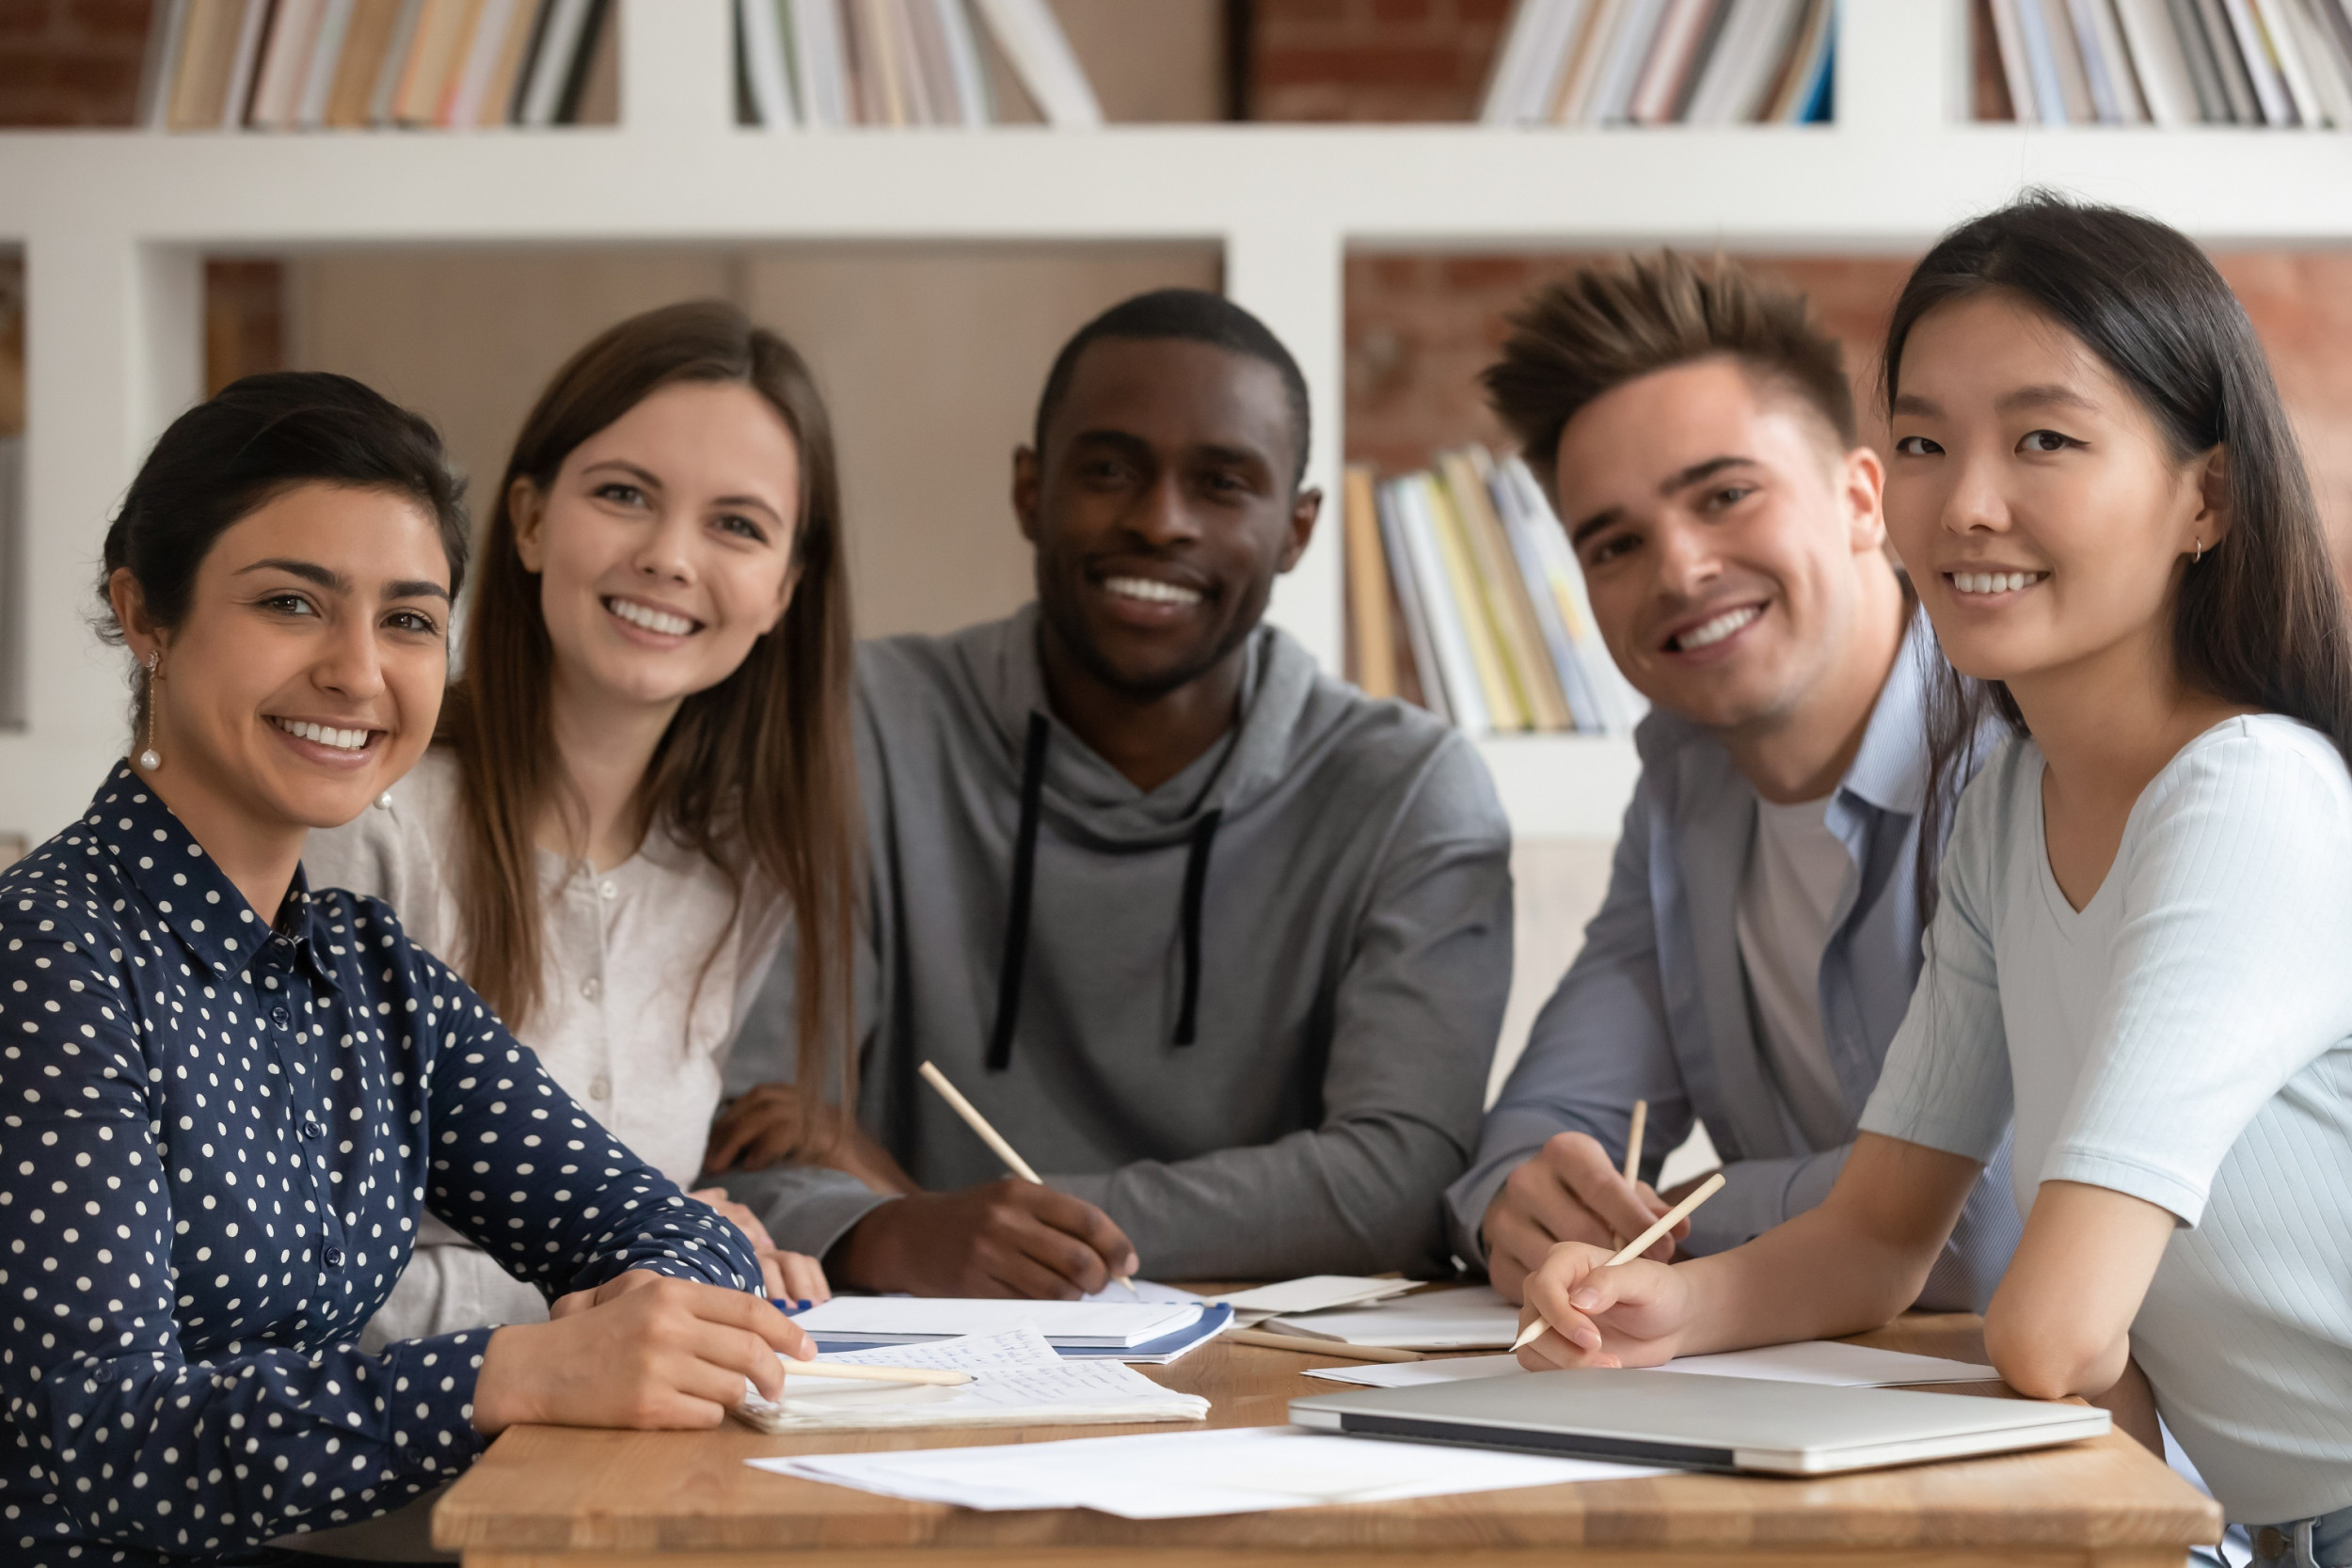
215, 1139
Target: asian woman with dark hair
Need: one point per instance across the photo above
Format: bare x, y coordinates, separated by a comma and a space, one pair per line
2138, 951
226, 1095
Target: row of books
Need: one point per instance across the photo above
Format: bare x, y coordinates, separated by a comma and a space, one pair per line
822, 63
287, 65
2176, 62
1661, 62
1463, 595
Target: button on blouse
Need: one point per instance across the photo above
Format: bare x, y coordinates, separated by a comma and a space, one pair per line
218, 1137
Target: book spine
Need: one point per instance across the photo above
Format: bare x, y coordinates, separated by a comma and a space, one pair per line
1465, 697
278, 85
817, 54
1583, 711
2155, 54
326, 53
2271, 93
166, 31
2123, 72
2286, 49
1666, 73
1504, 709
761, 35
963, 60
2221, 41
1620, 707
1533, 680
1635, 40
1409, 605
1033, 41
251, 37
473, 62
2015, 69
2330, 69
1516, 63
1370, 638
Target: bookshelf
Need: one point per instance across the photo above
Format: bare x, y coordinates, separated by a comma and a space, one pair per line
114, 226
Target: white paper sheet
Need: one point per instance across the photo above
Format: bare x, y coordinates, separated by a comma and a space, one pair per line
1470, 1318
1144, 1291
902, 1319
1017, 1381
1181, 1475
1824, 1361
1316, 1293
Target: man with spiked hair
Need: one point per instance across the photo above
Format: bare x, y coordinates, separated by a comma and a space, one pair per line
1761, 931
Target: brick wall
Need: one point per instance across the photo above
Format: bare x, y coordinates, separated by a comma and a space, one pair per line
1421, 328
1373, 59
70, 62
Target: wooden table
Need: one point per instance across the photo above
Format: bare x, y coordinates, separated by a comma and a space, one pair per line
558, 1497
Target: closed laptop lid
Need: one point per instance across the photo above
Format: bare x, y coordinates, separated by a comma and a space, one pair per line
1708, 1423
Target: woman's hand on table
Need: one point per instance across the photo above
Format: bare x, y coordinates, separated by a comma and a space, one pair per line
641, 1350
789, 1275
1632, 1315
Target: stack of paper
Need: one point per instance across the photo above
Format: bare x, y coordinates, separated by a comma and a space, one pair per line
1316, 1293
1471, 1319
1824, 1361
1017, 1380
1181, 1475
1103, 1322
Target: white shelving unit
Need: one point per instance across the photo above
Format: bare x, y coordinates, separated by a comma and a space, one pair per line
115, 226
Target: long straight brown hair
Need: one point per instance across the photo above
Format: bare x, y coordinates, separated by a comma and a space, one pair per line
756, 774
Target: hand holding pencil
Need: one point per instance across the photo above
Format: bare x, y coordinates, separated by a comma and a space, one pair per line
1592, 1307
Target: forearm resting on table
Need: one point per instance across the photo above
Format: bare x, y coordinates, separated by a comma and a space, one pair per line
1854, 1263
2061, 1323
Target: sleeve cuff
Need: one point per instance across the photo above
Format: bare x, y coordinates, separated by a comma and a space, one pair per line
2167, 1190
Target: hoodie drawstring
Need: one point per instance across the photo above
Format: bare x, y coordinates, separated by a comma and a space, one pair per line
1017, 918
1024, 879
1196, 878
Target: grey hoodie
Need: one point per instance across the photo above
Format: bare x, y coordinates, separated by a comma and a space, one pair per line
1323, 897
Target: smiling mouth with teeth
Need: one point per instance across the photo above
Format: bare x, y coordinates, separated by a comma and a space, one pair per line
1151, 591
1709, 632
651, 619
1992, 582
321, 734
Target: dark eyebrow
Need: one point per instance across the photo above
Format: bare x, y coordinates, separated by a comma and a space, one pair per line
1699, 473
309, 571
1605, 518
2048, 395
1912, 404
642, 476
416, 588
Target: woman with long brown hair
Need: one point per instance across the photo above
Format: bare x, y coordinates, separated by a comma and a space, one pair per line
643, 775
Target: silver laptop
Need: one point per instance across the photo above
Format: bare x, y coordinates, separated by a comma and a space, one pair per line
1701, 1423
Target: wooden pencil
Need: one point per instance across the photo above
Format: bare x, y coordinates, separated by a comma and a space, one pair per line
1633, 1142
989, 1135
1312, 1346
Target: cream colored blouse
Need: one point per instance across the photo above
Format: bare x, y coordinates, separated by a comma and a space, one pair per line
622, 1024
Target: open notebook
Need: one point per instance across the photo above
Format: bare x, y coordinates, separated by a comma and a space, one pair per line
1017, 1380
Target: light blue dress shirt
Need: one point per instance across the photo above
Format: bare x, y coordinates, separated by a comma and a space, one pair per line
1656, 1006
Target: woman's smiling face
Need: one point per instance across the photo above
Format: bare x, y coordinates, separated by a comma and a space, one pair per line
664, 548
307, 673
2043, 516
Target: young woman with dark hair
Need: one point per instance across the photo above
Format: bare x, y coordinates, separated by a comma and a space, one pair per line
225, 1093
642, 773
2140, 948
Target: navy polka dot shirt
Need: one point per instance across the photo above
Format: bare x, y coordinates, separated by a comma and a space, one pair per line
215, 1139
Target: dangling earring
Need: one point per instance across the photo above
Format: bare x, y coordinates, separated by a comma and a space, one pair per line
151, 759
2199, 555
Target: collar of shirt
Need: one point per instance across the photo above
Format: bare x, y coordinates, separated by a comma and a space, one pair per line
1889, 769
192, 896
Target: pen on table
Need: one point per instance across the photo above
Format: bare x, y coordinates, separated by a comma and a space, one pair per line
1312, 1346
989, 1135
1638, 1246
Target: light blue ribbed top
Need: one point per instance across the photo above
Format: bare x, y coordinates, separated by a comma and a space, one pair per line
2186, 1038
